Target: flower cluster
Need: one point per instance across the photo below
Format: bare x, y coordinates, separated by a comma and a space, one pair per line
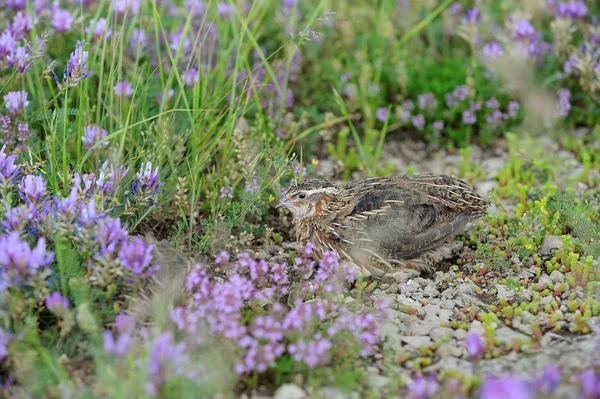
219, 308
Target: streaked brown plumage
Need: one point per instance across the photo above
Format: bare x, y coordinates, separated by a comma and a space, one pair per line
384, 223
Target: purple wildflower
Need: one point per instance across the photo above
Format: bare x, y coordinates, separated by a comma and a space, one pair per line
9, 170
32, 188
438, 125
505, 387
16, 101
564, 102
418, 121
159, 98
92, 134
123, 89
469, 117
190, 77
494, 118
62, 20
138, 38
4, 340
474, 345
423, 388
381, 114
109, 234
118, 347
222, 258
313, 353
129, 6
492, 103
472, 16
577, 9
21, 25
77, 68
253, 186
56, 303
548, 381
147, 180
524, 29
100, 30
589, 384
136, 257
513, 108
167, 360
124, 323
19, 262
226, 191
225, 9
570, 63
427, 100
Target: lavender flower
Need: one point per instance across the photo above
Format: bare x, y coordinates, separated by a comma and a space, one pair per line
123, 89
524, 29
474, 345
253, 186
577, 9
136, 257
571, 63
118, 347
56, 303
492, 103
418, 121
381, 114
513, 108
423, 388
138, 38
16, 101
427, 100
18, 262
21, 25
226, 191
77, 68
548, 381
472, 16
494, 118
313, 353
167, 360
505, 387
32, 188
589, 384
62, 20
225, 9
469, 117
9, 170
5, 337
100, 30
438, 125
92, 134
129, 6
564, 104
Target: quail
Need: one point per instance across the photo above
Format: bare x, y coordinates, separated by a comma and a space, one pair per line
384, 223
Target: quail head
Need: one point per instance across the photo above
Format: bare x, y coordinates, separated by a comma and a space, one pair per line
384, 223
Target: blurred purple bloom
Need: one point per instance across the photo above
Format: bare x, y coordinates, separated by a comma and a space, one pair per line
548, 381
492, 103
314, 352
494, 118
474, 345
418, 121
222, 258
168, 359
455, 8
109, 234
190, 77
123, 89
589, 383
16, 101
225, 9
381, 114
427, 100
159, 98
226, 191
469, 118
136, 257
19, 262
577, 9
129, 6
56, 303
564, 102
253, 186
21, 25
62, 20
524, 29
472, 15
9, 170
119, 347
77, 68
505, 387
138, 38
438, 125
570, 63
196, 6
32, 188
513, 108
4, 339
423, 388
100, 30
124, 323
92, 134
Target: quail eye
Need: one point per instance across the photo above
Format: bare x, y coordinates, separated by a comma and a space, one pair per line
302, 195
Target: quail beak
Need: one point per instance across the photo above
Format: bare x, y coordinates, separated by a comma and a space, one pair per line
282, 203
